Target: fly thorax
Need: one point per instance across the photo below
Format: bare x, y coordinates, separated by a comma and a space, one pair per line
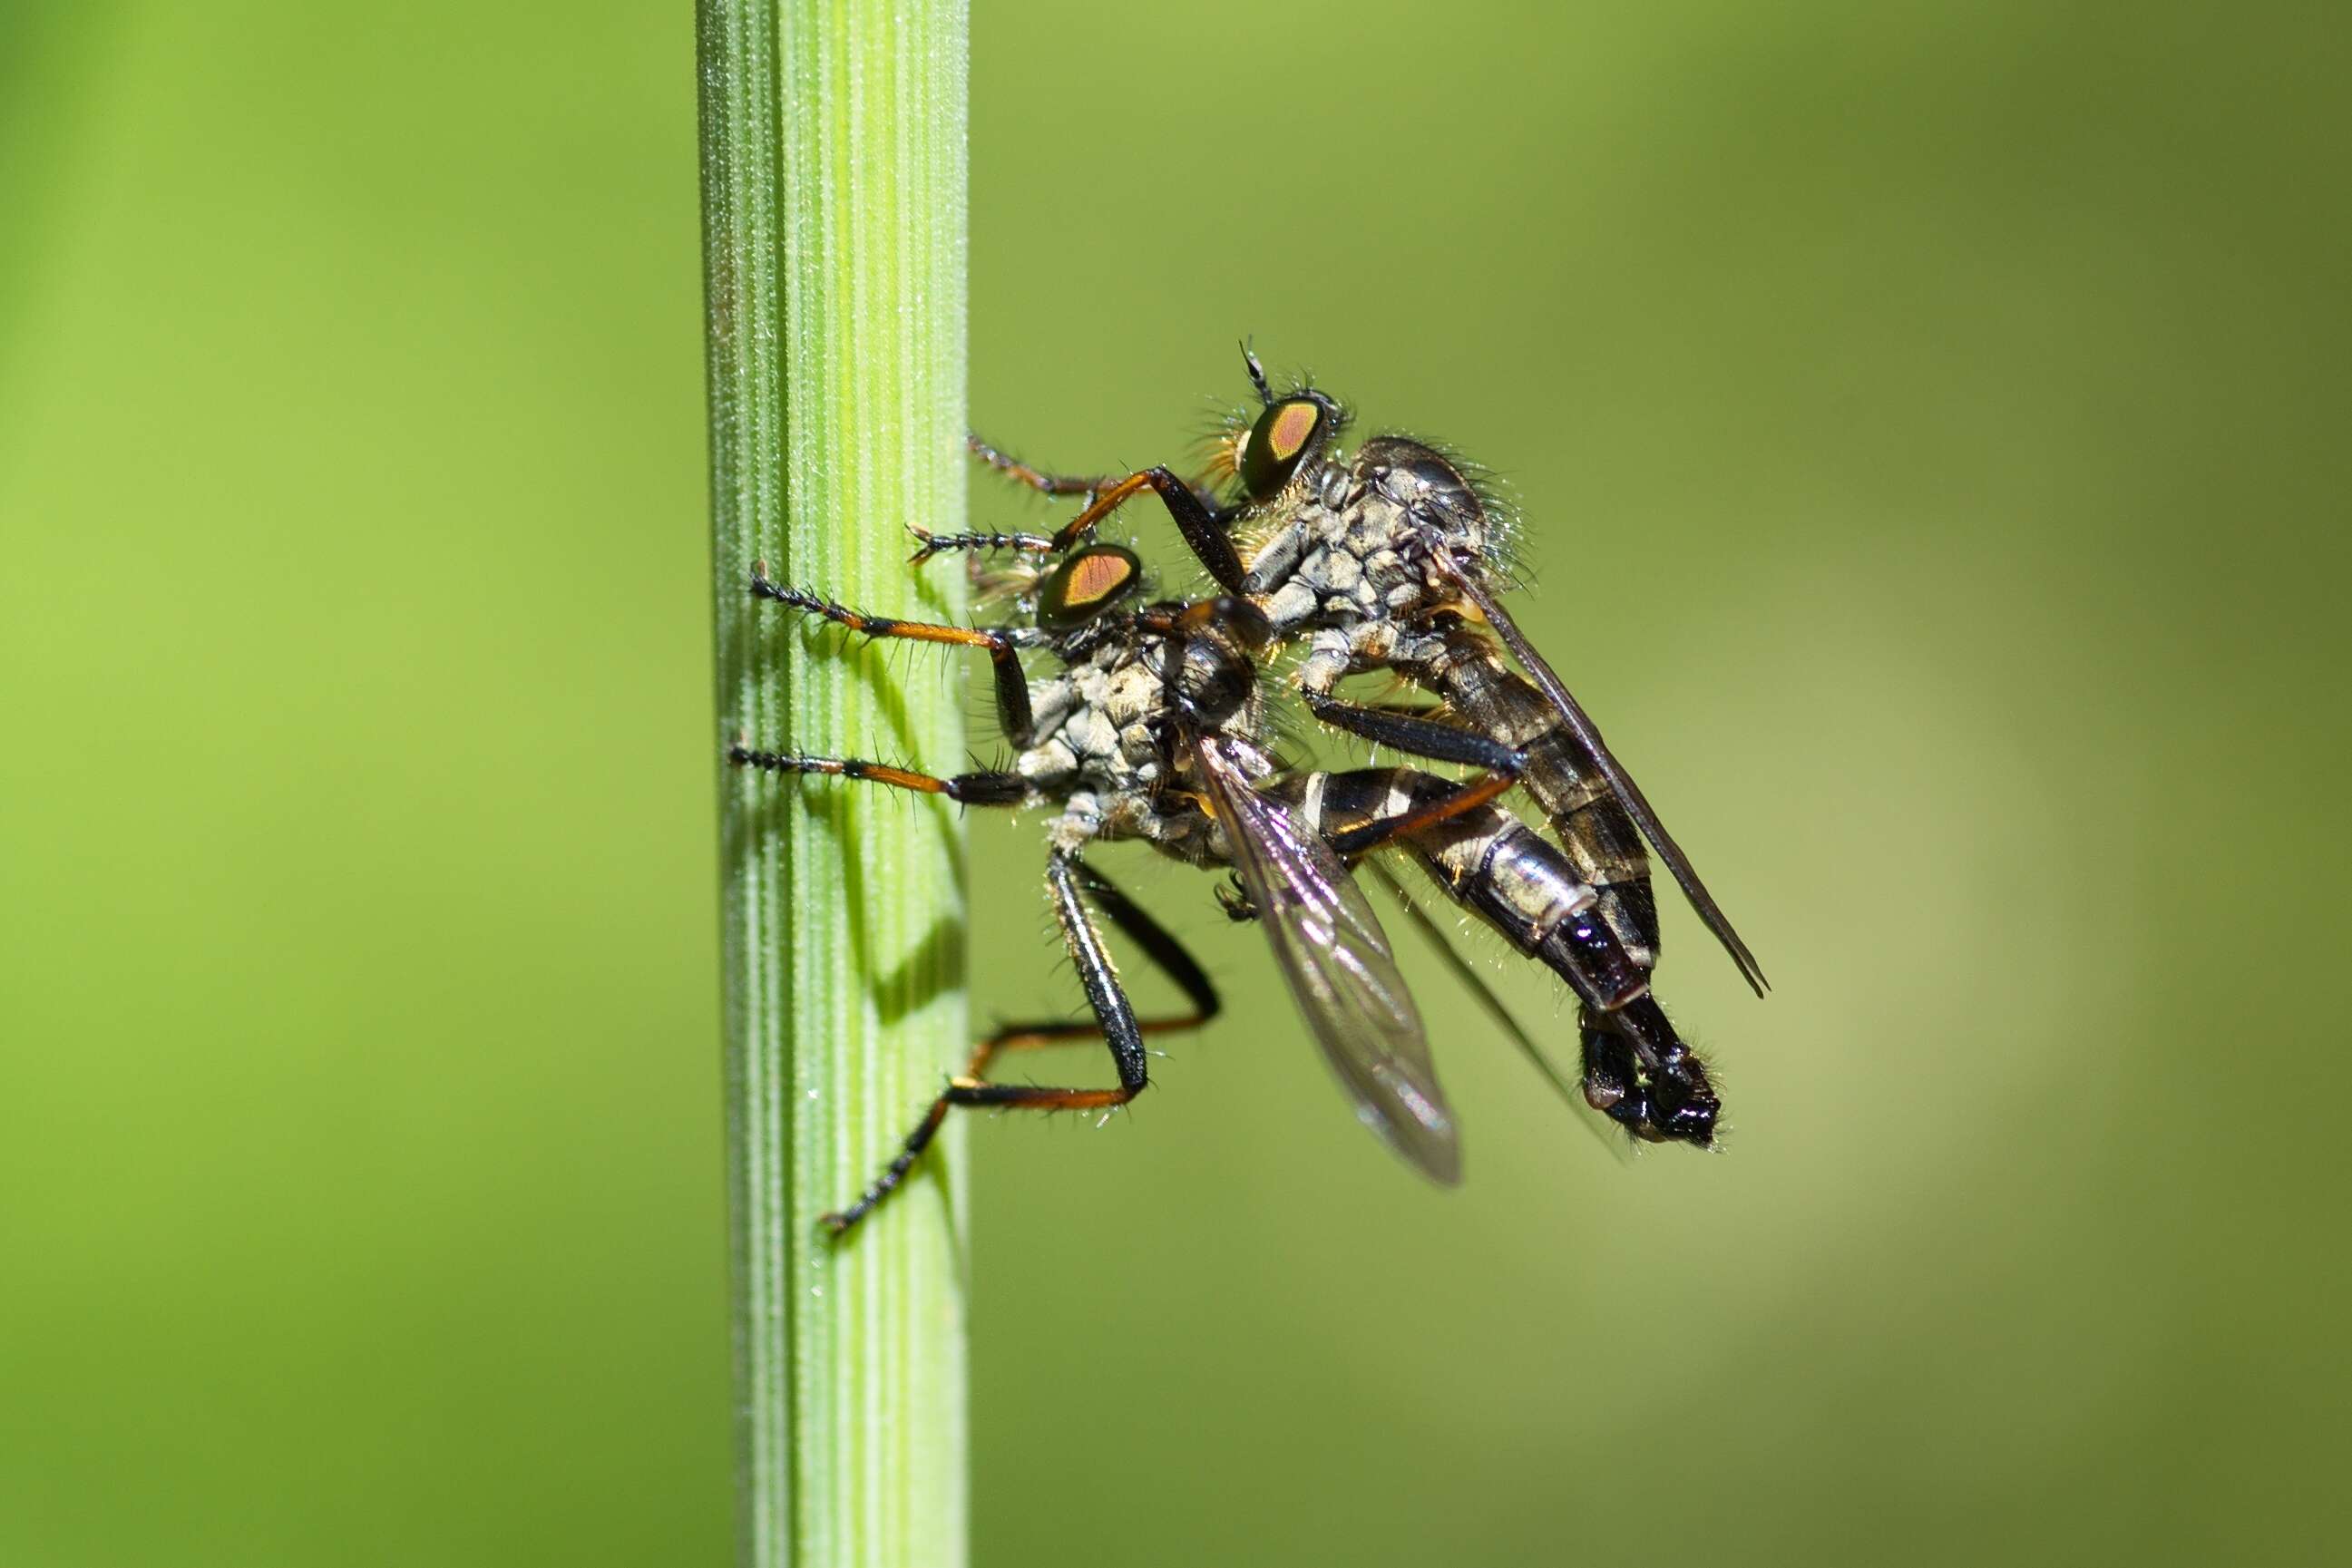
1139, 747
1431, 511
1406, 648
1334, 486
1396, 585
1216, 684
1130, 814
1292, 605
1309, 570
1181, 831
1332, 572
1271, 566
1439, 504
1090, 685
1092, 734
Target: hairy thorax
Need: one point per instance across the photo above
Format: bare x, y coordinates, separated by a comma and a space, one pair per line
1105, 744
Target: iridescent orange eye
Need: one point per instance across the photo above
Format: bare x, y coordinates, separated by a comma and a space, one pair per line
1085, 583
1275, 442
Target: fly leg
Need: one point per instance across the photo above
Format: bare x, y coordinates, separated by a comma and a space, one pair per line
1115, 1023
1012, 712
978, 788
1203, 523
1037, 480
1200, 519
1420, 737
1195, 510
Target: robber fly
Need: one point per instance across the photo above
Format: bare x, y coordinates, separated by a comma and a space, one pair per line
1152, 725
1393, 558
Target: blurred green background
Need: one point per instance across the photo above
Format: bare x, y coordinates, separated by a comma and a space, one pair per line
1930, 420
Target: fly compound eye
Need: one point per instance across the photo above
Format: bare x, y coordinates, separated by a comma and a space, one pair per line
1087, 583
1283, 435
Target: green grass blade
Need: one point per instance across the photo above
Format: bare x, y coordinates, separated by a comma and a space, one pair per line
834, 236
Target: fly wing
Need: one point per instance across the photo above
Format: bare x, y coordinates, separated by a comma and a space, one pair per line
1334, 956
1628, 794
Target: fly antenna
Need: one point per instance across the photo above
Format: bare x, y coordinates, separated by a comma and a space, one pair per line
1256, 373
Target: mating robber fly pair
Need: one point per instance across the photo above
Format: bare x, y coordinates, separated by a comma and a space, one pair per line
1152, 724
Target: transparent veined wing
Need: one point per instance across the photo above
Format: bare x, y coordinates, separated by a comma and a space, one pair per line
1628, 794
1337, 961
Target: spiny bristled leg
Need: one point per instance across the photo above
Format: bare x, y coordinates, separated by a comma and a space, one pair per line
1037, 479
1012, 709
1199, 516
1087, 484
1201, 522
978, 788
1115, 1023
929, 544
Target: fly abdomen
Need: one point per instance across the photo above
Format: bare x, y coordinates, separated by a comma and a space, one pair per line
1494, 865
1600, 839
1519, 880
1637, 1071
1332, 803
1523, 886
1640, 1074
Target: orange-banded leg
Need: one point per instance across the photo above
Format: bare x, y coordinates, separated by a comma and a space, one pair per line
929, 544
1093, 487
1421, 738
1012, 711
1115, 1023
978, 788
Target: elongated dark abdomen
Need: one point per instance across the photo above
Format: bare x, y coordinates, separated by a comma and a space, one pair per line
1637, 1071
1494, 865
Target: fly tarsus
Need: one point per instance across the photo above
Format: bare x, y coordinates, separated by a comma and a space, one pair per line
1037, 479
929, 544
